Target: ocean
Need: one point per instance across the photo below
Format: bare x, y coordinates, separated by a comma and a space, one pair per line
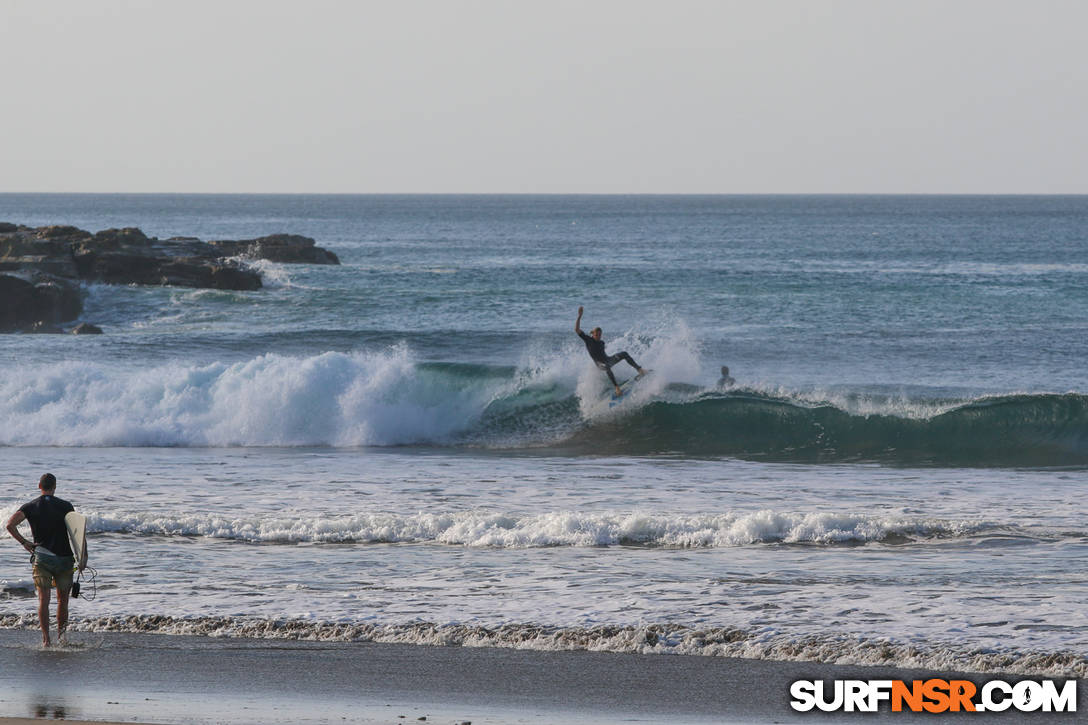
415, 447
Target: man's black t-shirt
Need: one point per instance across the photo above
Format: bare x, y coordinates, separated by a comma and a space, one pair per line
595, 347
46, 517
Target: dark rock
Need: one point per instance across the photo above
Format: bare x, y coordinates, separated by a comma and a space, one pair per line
61, 232
43, 302
118, 267
117, 238
86, 328
6, 227
63, 267
133, 242
62, 298
127, 268
44, 328
232, 276
128, 256
16, 303
283, 248
187, 247
201, 273
25, 243
29, 250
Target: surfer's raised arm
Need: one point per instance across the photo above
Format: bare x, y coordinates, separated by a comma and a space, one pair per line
578, 322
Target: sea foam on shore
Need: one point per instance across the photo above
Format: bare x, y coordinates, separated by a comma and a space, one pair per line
828, 648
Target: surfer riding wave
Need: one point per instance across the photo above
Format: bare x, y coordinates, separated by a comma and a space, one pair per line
595, 346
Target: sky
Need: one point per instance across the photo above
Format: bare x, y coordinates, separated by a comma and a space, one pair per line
544, 96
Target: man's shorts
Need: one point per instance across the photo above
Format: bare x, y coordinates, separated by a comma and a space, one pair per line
50, 571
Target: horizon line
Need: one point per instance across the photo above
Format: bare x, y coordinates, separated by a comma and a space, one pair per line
545, 193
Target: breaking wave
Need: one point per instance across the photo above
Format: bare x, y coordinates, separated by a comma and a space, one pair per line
388, 399
562, 528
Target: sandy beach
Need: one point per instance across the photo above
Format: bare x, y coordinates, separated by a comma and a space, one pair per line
171, 679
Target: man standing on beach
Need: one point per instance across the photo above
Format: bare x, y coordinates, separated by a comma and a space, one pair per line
50, 551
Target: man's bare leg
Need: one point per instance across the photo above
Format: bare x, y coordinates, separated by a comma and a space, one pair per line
62, 614
43, 614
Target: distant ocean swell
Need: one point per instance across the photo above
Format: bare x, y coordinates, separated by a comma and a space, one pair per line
645, 639
387, 399
560, 528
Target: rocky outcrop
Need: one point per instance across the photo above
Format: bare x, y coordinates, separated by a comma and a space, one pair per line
285, 248
41, 268
37, 304
128, 256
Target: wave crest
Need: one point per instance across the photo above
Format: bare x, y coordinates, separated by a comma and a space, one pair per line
1033, 430
561, 528
388, 399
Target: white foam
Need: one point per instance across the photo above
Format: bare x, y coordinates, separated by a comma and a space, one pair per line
668, 348
330, 399
642, 639
272, 274
379, 398
559, 528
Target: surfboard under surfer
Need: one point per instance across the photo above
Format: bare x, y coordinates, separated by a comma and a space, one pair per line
51, 554
595, 346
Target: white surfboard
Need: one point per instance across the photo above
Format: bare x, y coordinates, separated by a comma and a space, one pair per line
77, 536
625, 388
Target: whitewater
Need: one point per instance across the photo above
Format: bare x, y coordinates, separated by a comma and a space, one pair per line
414, 446
387, 399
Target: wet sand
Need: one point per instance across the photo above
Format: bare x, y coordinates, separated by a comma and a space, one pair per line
112, 677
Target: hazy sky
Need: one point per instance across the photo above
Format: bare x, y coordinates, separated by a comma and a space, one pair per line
868, 96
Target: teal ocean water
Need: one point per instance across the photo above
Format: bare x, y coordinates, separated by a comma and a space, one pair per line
414, 445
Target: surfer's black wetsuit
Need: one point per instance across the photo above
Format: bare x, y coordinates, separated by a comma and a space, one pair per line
604, 360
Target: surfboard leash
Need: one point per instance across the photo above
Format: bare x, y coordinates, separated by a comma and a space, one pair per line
93, 581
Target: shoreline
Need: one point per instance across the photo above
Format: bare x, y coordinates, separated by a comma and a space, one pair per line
154, 678
659, 640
